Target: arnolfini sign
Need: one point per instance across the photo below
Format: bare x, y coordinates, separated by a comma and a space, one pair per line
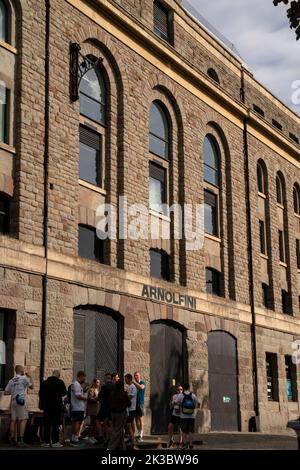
174, 298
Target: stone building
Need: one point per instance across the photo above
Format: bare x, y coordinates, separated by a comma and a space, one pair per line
142, 99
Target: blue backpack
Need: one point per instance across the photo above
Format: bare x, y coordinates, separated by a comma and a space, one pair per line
188, 405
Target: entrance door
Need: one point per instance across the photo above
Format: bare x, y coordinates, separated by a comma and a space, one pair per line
223, 381
96, 343
167, 367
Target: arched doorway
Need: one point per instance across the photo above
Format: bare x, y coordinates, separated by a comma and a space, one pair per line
168, 367
98, 342
223, 381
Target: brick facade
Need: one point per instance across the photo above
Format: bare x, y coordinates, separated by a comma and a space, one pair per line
140, 68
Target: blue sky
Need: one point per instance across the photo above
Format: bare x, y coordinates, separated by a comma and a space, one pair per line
262, 35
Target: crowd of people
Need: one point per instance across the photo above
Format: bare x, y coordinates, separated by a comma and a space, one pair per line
109, 411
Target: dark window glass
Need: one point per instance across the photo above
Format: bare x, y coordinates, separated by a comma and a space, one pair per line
213, 75
93, 96
159, 264
159, 132
298, 253
262, 237
211, 213
3, 22
2, 343
282, 256
272, 376
294, 138
4, 214
258, 110
157, 187
213, 281
261, 179
211, 161
90, 156
279, 190
161, 21
265, 295
291, 379
4, 94
286, 302
89, 245
277, 124
296, 195
7, 339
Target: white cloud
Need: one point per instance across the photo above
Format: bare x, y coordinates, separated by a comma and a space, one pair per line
262, 35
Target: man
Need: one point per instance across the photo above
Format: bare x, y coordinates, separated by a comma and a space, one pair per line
132, 393
119, 402
189, 404
140, 403
16, 387
115, 378
78, 405
104, 415
51, 394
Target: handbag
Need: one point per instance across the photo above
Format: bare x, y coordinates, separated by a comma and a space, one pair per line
20, 400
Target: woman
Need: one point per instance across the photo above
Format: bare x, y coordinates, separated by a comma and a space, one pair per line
175, 417
119, 402
93, 406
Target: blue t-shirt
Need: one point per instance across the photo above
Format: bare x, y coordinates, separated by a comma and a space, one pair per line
140, 401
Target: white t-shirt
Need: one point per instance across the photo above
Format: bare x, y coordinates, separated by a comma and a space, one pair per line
18, 385
76, 389
175, 405
196, 402
132, 392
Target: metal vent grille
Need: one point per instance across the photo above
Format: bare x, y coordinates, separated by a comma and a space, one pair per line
161, 21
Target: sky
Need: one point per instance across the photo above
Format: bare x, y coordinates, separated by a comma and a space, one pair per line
261, 33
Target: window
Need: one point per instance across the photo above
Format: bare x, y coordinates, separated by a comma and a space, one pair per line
211, 213
298, 253
211, 161
7, 341
159, 131
93, 96
90, 156
265, 295
2, 349
157, 187
261, 182
291, 379
4, 214
213, 281
294, 137
272, 376
277, 124
159, 264
282, 254
4, 100
213, 75
296, 196
258, 110
286, 302
161, 21
3, 22
262, 237
89, 245
279, 190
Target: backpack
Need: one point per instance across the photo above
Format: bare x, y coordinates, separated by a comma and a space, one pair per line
188, 405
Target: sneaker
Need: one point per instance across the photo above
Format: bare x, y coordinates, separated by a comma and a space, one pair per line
184, 447
45, 444
75, 443
93, 441
139, 439
57, 445
21, 443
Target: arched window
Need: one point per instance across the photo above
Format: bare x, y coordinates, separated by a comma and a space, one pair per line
4, 214
296, 195
261, 179
213, 75
211, 161
159, 131
93, 96
279, 189
3, 22
92, 134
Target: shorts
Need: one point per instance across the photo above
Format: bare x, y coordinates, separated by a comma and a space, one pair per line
77, 416
18, 412
175, 420
187, 425
139, 412
131, 416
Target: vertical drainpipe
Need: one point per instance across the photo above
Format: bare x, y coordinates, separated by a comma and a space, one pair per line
46, 189
250, 263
